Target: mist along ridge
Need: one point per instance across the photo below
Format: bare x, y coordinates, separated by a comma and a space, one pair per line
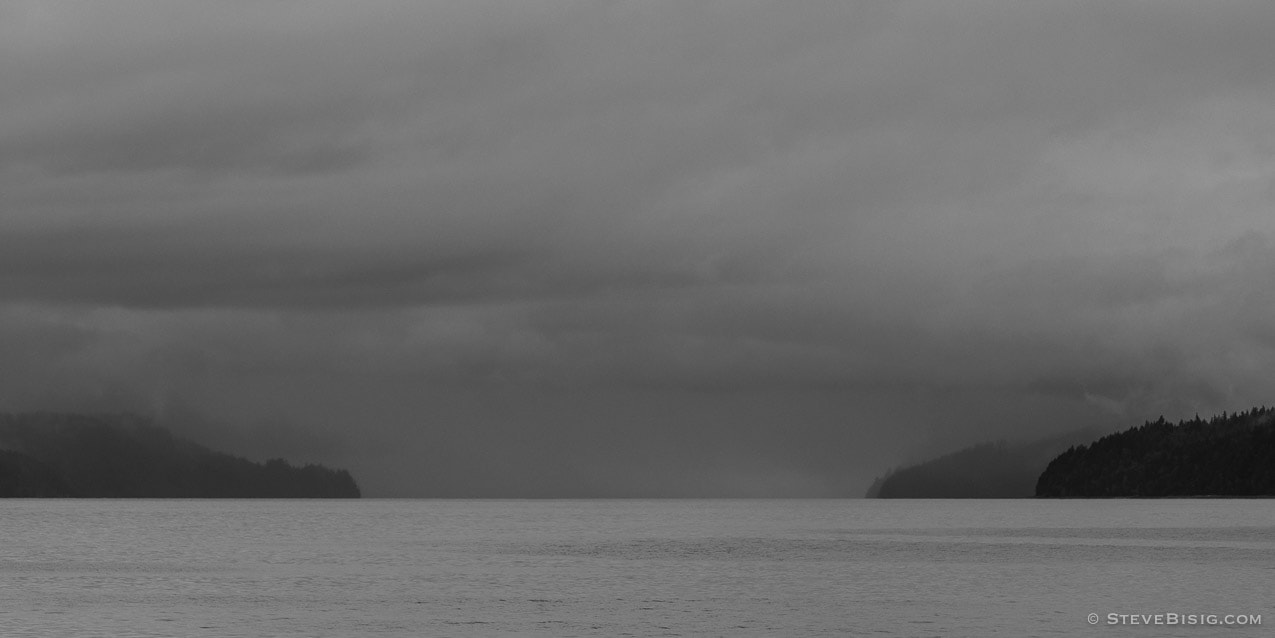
123, 456
988, 470
1227, 455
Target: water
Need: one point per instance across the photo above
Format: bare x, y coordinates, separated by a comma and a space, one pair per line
630, 568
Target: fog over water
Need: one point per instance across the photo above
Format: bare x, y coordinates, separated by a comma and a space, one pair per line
558, 248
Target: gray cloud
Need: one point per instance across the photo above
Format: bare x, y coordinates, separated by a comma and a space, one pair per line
622, 248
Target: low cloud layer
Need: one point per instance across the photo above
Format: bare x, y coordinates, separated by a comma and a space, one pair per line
664, 248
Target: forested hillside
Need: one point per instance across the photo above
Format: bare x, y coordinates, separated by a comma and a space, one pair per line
989, 470
1227, 455
119, 456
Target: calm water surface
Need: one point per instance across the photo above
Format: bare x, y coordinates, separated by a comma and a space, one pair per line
631, 568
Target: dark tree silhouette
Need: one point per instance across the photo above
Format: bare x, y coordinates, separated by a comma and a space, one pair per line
1227, 455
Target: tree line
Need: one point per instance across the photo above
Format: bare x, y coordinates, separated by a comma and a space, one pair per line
1226, 455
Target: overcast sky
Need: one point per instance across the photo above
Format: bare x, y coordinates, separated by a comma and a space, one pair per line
598, 248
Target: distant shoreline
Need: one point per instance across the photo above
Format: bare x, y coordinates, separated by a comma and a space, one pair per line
51, 455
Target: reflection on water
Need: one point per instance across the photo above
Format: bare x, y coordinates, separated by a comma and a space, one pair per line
639, 568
